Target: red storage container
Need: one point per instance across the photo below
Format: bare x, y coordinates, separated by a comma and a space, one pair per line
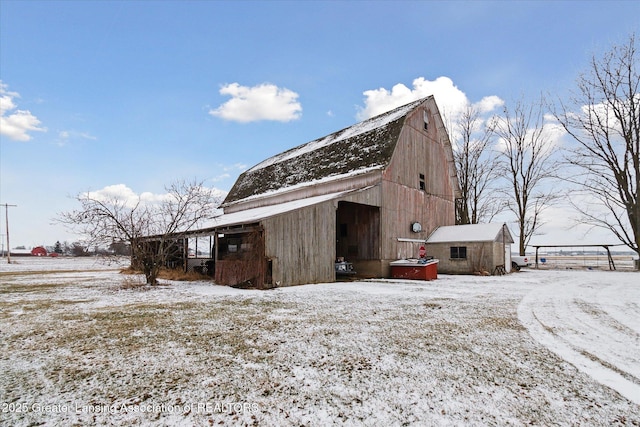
410, 269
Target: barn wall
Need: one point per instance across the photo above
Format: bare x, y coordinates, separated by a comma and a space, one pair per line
301, 245
404, 202
402, 207
426, 152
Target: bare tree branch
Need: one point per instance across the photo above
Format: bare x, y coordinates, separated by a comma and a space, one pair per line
155, 229
476, 165
526, 164
603, 117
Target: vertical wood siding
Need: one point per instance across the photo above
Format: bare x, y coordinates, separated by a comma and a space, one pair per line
418, 151
301, 245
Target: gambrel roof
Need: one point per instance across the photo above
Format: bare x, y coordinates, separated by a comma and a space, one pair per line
365, 146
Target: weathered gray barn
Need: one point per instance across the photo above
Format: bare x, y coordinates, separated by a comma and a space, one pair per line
368, 194
471, 248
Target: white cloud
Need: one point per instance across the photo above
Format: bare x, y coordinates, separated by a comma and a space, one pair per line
553, 131
237, 166
125, 195
65, 136
16, 125
261, 102
229, 171
450, 99
563, 225
129, 198
489, 104
221, 177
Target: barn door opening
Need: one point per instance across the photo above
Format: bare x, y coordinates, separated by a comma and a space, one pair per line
358, 234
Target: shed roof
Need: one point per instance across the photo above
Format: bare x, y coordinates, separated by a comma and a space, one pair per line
491, 232
364, 146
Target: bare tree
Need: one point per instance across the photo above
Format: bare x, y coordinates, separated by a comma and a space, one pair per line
526, 163
477, 165
155, 229
603, 117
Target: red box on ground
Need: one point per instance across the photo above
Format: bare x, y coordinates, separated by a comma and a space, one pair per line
414, 270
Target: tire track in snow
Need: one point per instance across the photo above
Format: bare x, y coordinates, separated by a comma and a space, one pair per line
592, 326
624, 311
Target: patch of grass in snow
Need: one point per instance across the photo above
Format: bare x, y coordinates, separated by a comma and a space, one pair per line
44, 272
501, 323
29, 288
596, 312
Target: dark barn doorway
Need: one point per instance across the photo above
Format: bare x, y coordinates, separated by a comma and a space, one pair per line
358, 235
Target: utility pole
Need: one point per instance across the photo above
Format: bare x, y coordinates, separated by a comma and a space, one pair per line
6, 217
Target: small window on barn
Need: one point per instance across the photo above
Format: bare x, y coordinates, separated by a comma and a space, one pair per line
458, 252
423, 184
425, 118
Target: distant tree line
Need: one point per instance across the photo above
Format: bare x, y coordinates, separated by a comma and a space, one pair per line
79, 249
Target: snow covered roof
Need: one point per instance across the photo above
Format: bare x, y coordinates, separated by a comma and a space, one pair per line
365, 145
256, 214
491, 232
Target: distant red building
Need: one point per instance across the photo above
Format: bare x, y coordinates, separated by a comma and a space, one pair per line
39, 251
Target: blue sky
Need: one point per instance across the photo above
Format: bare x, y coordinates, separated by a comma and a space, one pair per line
142, 93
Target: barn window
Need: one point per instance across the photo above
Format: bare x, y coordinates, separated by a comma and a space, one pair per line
425, 117
458, 252
423, 185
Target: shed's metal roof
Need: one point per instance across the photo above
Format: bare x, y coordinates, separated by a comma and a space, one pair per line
491, 232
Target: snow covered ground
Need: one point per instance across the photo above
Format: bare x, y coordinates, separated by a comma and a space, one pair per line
82, 344
593, 322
